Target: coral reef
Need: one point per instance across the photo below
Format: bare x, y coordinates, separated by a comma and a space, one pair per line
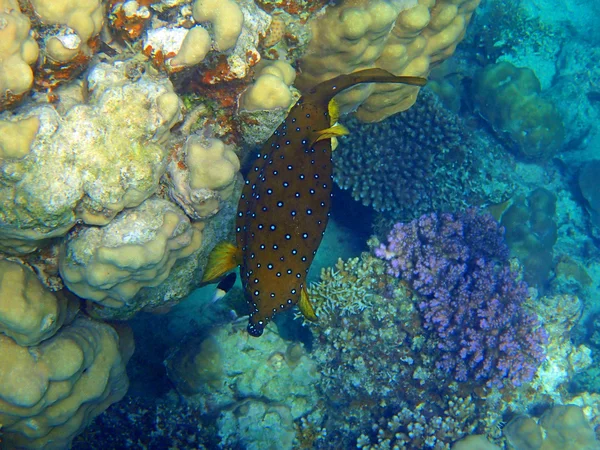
109, 265
122, 128
562, 426
377, 362
469, 297
405, 37
381, 376
531, 232
68, 173
416, 162
50, 392
29, 313
218, 371
510, 99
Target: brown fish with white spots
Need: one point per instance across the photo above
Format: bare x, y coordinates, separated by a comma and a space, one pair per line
284, 206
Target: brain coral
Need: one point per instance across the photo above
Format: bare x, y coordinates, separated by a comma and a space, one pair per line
405, 37
509, 98
412, 163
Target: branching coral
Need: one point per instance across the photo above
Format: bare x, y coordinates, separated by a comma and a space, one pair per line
469, 297
376, 359
415, 162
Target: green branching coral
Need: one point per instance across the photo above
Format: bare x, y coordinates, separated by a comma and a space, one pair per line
414, 162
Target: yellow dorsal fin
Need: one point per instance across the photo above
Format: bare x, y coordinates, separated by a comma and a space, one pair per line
224, 257
334, 111
305, 306
328, 133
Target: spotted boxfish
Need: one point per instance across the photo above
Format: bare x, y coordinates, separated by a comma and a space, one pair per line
284, 206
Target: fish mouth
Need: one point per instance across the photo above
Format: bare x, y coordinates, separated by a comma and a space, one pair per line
254, 329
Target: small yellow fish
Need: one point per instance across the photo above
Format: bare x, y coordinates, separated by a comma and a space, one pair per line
284, 206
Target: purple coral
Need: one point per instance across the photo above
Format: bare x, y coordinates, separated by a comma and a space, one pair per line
468, 296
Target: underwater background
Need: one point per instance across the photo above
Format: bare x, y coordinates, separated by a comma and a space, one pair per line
457, 285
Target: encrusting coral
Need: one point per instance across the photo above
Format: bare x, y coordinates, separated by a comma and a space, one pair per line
69, 175
227, 367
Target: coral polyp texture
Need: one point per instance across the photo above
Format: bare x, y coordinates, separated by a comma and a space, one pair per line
69, 173
405, 37
413, 163
469, 297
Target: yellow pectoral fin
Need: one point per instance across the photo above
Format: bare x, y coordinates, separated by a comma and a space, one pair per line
334, 111
224, 257
305, 306
331, 132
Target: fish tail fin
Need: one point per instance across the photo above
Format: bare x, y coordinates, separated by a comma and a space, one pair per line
224, 257
329, 133
326, 90
305, 307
